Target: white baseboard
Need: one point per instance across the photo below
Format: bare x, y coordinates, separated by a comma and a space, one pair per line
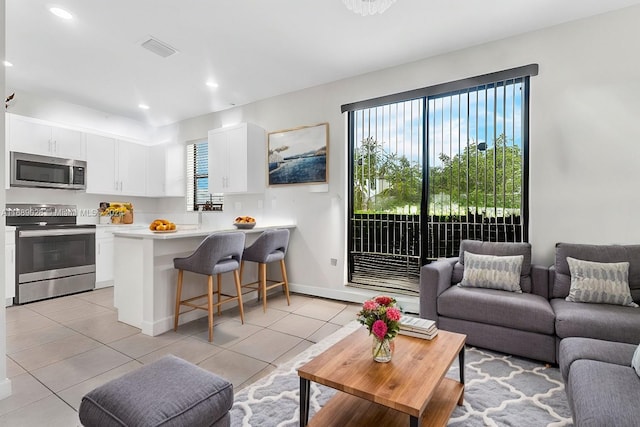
5, 388
407, 303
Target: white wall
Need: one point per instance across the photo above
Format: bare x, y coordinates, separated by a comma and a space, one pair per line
5, 383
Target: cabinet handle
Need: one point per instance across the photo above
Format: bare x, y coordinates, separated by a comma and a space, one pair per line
120, 185
50, 146
55, 146
115, 185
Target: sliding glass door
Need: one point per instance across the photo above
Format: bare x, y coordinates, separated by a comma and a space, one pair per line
430, 171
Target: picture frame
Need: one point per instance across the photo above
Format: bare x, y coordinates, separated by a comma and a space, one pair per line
298, 155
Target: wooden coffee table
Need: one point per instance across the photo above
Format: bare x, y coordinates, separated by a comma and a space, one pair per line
409, 390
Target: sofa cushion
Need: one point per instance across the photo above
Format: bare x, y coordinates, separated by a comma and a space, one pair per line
167, 392
576, 348
599, 321
599, 282
527, 312
497, 249
635, 361
603, 394
597, 253
492, 272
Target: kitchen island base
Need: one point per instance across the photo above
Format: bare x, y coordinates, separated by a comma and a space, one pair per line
145, 280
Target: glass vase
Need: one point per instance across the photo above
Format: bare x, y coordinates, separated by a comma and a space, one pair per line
382, 350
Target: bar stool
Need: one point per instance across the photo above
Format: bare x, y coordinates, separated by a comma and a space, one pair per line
270, 247
218, 253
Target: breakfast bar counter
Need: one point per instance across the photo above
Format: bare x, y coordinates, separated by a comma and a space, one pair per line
145, 281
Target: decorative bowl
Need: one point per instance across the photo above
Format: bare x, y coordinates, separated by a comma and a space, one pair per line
244, 225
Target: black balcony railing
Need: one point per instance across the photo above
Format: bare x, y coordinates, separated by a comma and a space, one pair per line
385, 250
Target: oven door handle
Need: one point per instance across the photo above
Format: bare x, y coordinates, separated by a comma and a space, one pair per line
47, 233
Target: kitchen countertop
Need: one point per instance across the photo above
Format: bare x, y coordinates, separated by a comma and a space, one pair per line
183, 231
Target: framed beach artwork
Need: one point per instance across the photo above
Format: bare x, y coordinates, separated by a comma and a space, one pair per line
299, 156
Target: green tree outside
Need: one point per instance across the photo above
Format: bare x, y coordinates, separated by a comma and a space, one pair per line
384, 182
480, 179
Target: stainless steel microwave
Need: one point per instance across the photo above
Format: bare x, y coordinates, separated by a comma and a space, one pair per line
31, 170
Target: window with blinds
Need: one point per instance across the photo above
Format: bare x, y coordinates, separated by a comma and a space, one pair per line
476, 141
431, 167
197, 174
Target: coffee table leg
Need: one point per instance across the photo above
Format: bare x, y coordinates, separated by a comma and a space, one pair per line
304, 401
413, 421
461, 363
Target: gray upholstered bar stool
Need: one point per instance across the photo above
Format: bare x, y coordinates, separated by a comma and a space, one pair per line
270, 247
218, 253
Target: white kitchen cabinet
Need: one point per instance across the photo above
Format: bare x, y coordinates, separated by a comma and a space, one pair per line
30, 136
132, 168
9, 267
237, 159
104, 258
115, 167
105, 252
166, 170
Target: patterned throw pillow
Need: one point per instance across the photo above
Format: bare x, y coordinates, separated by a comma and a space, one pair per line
492, 272
635, 362
598, 282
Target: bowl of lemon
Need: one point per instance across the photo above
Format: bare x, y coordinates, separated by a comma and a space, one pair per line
245, 222
162, 226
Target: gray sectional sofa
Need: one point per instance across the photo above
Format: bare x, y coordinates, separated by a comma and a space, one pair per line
516, 323
593, 342
532, 323
602, 387
600, 321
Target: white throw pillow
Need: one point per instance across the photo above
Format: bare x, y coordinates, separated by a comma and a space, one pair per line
635, 362
492, 272
599, 282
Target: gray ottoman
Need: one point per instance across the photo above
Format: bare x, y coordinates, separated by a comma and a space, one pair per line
168, 392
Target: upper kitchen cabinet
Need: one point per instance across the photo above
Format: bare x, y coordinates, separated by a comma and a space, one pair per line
166, 170
36, 137
237, 159
115, 167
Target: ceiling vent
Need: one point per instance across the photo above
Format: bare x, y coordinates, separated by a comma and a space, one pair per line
158, 47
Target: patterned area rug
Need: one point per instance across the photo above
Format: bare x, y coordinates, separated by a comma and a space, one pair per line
500, 391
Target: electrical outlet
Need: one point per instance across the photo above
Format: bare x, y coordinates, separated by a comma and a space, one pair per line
334, 262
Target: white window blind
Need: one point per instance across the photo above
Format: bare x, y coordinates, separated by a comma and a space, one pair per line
197, 174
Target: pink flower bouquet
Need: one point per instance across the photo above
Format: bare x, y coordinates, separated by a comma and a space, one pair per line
381, 316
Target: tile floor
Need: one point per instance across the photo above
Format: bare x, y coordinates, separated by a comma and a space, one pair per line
58, 350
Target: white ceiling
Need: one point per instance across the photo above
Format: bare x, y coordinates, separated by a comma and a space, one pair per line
253, 49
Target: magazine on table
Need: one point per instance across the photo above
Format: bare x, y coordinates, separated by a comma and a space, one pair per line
418, 327
422, 335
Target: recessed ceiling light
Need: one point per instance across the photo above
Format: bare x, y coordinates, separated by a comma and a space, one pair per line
212, 84
143, 106
61, 13
7, 64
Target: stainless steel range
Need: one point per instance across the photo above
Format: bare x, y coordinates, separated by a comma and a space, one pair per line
55, 256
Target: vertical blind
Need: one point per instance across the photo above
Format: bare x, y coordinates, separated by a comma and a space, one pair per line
197, 174
476, 142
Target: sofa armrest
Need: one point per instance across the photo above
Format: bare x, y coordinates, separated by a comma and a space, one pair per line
540, 280
435, 278
576, 348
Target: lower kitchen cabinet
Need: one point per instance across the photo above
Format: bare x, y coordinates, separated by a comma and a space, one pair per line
105, 248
